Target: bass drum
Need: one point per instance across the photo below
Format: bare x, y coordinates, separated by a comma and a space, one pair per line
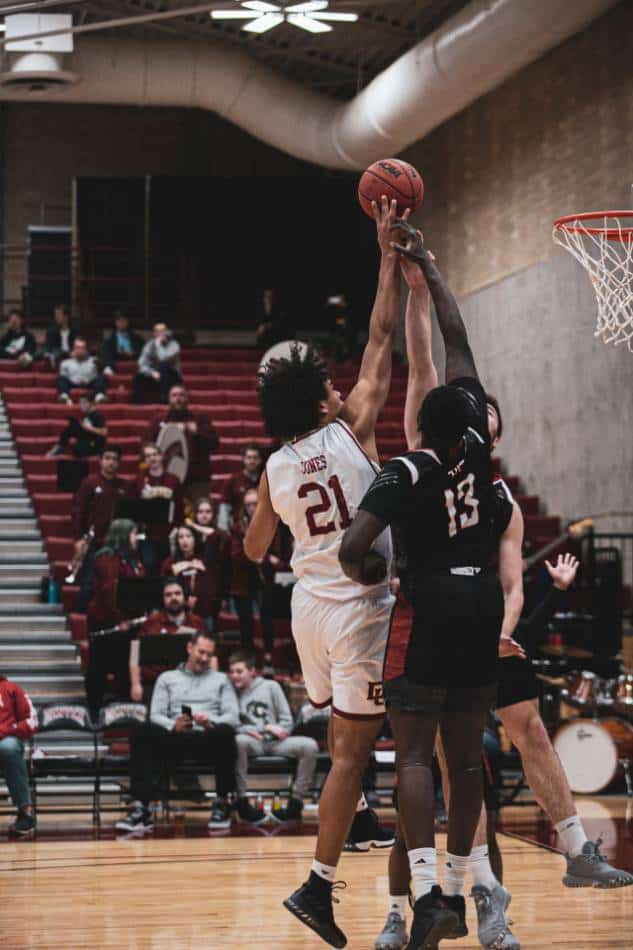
590, 751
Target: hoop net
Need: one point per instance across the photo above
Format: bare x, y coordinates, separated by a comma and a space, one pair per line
602, 241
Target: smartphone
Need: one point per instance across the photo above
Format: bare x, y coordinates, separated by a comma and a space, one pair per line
186, 711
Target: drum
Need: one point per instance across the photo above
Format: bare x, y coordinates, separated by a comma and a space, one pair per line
623, 704
172, 442
581, 690
591, 751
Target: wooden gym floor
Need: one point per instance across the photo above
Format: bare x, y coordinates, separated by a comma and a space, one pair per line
202, 893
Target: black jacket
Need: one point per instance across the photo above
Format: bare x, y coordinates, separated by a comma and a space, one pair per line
108, 353
53, 343
30, 346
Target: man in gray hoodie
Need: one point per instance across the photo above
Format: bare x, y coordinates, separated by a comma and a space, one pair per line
194, 714
159, 361
265, 726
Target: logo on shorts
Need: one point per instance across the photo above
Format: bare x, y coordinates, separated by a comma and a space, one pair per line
376, 694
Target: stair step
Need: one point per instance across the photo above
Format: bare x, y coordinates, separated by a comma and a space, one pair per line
25, 582
18, 597
8, 608
36, 637
48, 670
17, 508
32, 619
37, 653
28, 559
23, 547
46, 688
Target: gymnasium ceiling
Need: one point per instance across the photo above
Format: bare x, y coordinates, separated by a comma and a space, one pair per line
339, 63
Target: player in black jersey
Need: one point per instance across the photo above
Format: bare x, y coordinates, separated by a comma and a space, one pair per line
440, 502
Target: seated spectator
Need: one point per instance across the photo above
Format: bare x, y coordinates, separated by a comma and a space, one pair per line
18, 722
153, 481
245, 577
80, 371
121, 343
216, 557
187, 565
119, 557
265, 727
274, 324
91, 513
158, 365
341, 343
172, 618
274, 598
88, 433
18, 343
239, 483
207, 735
60, 338
201, 440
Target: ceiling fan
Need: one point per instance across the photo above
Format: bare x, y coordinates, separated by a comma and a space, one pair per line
262, 16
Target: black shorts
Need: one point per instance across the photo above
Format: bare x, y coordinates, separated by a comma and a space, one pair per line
517, 682
449, 641
401, 693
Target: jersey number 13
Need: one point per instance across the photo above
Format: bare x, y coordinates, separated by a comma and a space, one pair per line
463, 511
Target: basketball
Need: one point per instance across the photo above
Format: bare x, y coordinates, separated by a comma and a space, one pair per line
393, 178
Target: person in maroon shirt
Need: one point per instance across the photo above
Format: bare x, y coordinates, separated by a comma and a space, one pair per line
275, 598
92, 511
153, 481
173, 618
118, 558
18, 722
239, 483
187, 565
216, 557
245, 576
201, 439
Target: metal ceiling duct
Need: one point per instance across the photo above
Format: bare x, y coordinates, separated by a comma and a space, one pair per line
469, 55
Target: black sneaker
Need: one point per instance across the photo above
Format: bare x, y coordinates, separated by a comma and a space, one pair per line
24, 824
312, 905
249, 813
457, 904
432, 921
292, 811
366, 832
138, 818
220, 814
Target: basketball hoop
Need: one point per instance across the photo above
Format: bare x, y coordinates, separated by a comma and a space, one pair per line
602, 241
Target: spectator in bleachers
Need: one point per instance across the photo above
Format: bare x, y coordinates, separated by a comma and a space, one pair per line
174, 617
60, 337
341, 342
18, 722
201, 440
238, 484
80, 371
158, 365
120, 343
265, 726
274, 599
153, 481
207, 736
216, 556
87, 434
18, 343
92, 511
119, 557
274, 324
245, 576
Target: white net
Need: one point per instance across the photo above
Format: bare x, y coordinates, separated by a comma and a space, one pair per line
604, 247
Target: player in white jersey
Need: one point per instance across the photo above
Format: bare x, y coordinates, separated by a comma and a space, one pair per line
314, 484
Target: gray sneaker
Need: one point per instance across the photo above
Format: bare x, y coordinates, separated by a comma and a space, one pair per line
394, 934
492, 924
590, 868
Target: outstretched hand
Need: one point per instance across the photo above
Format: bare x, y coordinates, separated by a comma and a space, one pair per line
385, 216
413, 247
564, 571
510, 647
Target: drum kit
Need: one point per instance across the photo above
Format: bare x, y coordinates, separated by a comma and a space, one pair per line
595, 746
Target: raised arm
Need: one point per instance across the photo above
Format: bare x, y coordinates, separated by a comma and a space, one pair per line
363, 405
422, 375
459, 358
263, 526
511, 577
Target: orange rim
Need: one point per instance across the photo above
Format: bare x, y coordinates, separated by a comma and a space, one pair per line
569, 223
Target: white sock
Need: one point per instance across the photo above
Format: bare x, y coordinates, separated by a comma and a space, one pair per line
362, 803
455, 869
326, 871
480, 867
572, 835
423, 865
398, 905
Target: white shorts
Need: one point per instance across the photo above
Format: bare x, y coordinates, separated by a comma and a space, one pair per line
341, 647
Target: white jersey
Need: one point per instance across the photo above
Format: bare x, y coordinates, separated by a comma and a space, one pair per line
316, 485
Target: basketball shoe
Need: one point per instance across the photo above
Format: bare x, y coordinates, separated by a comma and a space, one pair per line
312, 905
590, 868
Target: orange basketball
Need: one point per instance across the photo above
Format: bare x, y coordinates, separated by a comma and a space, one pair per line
395, 179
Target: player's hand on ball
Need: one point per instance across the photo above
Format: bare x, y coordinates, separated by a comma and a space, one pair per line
385, 214
564, 571
510, 647
411, 243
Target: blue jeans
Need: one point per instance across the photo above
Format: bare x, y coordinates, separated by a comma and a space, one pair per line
13, 767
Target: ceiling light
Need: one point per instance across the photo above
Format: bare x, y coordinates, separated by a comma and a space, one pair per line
309, 15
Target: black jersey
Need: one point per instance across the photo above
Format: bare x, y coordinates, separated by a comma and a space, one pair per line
444, 514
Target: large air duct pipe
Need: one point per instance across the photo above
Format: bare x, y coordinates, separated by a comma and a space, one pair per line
470, 54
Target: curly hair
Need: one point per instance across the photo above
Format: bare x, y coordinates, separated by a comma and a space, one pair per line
290, 390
